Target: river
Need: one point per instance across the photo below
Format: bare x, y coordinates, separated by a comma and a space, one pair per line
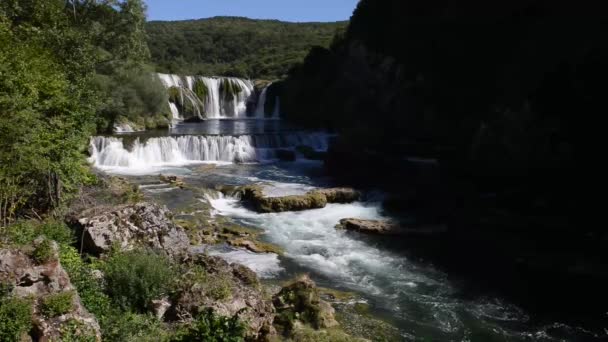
421, 302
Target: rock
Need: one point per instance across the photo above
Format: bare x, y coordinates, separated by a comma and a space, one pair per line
299, 302
369, 226
339, 195
173, 180
314, 199
28, 279
255, 246
245, 299
127, 226
160, 307
286, 155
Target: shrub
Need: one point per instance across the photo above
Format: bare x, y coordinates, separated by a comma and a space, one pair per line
25, 232
207, 327
90, 289
57, 304
75, 331
135, 278
15, 318
127, 327
44, 252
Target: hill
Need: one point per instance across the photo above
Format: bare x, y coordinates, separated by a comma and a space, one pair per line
235, 46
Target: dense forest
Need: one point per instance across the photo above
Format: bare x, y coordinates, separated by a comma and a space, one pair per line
240, 47
473, 113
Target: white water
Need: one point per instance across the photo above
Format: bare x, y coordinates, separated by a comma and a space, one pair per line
266, 265
260, 109
112, 153
216, 105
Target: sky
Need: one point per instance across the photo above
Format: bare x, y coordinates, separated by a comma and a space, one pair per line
285, 10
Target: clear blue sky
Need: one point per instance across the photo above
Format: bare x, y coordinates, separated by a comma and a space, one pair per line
286, 10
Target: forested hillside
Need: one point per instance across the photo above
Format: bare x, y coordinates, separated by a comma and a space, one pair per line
229, 46
67, 69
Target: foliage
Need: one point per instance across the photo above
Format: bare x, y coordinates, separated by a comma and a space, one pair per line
135, 278
239, 47
43, 252
70, 65
89, 288
23, 233
57, 304
208, 327
131, 327
15, 318
75, 331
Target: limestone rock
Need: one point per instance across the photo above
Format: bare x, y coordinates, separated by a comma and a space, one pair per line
369, 226
314, 199
142, 224
300, 302
27, 279
245, 299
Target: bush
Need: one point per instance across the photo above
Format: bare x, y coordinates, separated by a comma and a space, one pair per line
90, 289
75, 331
44, 252
135, 278
127, 327
25, 232
207, 327
57, 304
15, 318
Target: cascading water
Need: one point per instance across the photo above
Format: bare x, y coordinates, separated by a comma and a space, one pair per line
261, 107
209, 97
112, 152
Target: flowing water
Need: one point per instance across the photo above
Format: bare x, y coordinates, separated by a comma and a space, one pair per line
417, 299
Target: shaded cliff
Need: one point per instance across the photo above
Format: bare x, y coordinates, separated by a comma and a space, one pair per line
472, 114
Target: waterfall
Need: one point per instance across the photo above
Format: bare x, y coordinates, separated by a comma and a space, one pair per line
208, 97
260, 111
112, 152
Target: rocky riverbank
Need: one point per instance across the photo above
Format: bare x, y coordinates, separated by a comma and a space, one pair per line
114, 247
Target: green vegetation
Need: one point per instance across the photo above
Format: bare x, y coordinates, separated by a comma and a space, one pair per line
15, 318
89, 288
208, 327
67, 68
43, 252
23, 233
240, 47
57, 304
135, 278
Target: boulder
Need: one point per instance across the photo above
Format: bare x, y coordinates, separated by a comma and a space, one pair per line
173, 180
299, 302
245, 298
339, 195
369, 226
314, 199
29, 278
142, 224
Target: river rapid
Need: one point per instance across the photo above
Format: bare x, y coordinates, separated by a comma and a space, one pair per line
418, 301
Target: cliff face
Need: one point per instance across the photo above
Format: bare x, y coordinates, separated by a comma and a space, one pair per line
492, 100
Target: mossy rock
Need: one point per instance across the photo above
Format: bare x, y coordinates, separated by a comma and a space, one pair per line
256, 246
299, 302
200, 89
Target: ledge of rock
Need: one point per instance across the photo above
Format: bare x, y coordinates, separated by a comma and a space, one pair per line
299, 301
141, 224
30, 279
243, 295
314, 199
369, 226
